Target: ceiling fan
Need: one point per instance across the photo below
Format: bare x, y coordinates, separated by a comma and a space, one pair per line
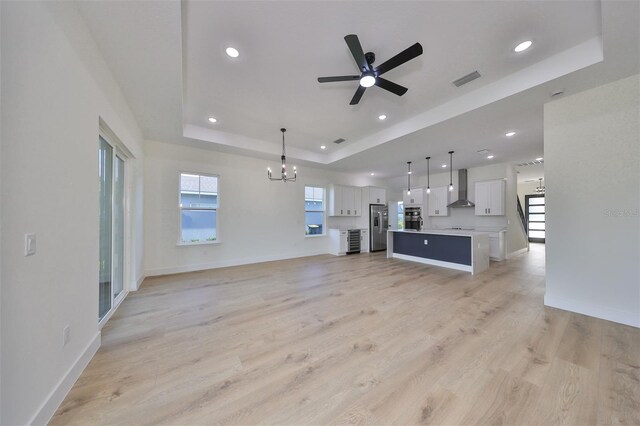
371, 76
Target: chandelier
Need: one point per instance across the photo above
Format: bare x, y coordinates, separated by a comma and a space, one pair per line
540, 188
283, 171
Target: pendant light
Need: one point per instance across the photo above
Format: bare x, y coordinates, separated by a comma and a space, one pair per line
283, 171
409, 178
428, 188
540, 188
450, 171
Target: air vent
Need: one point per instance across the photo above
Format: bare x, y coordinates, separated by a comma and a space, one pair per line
339, 141
467, 78
483, 152
531, 163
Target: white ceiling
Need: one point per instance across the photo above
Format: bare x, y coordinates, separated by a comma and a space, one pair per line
169, 59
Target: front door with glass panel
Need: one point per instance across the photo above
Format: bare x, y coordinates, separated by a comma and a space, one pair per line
111, 254
535, 211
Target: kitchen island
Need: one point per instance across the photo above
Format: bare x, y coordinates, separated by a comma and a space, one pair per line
455, 249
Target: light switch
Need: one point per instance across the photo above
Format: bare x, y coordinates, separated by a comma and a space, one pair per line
29, 244
426, 242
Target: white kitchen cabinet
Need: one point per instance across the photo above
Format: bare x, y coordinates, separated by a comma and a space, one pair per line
338, 242
377, 195
490, 198
415, 198
438, 199
364, 240
345, 200
496, 245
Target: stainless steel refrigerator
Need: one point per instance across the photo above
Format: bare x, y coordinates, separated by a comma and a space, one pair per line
378, 225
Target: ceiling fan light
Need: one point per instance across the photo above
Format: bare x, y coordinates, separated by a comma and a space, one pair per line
367, 81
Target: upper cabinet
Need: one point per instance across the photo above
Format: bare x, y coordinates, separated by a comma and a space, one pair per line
373, 195
377, 195
438, 199
490, 198
414, 198
345, 200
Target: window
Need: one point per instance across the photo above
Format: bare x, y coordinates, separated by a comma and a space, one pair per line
400, 214
314, 210
198, 208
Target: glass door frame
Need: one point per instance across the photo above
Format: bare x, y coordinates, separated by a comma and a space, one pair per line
117, 153
527, 204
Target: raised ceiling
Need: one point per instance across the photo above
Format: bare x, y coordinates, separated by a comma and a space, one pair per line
169, 59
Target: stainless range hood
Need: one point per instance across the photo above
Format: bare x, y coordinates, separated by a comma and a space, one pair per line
462, 191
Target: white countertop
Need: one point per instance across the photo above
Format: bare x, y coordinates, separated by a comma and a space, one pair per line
460, 232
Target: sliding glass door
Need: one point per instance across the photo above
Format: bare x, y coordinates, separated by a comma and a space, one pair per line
111, 253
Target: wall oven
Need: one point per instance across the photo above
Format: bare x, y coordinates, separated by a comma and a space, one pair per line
413, 218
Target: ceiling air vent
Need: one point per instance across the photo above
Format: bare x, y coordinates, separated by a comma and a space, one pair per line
483, 152
339, 141
531, 163
467, 78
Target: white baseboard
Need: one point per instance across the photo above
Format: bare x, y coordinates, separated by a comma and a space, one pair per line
57, 395
226, 263
139, 282
517, 252
433, 262
597, 311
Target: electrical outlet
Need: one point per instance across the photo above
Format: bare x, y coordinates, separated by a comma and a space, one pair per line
66, 335
426, 242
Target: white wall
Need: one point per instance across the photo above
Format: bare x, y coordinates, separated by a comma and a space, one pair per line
592, 173
54, 87
258, 220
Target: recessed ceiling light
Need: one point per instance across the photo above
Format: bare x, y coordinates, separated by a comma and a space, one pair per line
232, 52
372, 174
490, 156
382, 117
444, 165
367, 81
323, 147
509, 134
212, 120
539, 159
523, 46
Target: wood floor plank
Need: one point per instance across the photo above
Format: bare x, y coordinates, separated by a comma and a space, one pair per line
357, 339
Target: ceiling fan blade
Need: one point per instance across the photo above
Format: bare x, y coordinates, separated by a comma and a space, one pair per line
356, 50
338, 78
406, 55
391, 86
358, 95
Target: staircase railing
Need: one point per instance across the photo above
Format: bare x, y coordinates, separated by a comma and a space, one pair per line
523, 221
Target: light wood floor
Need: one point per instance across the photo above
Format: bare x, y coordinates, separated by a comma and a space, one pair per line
356, 339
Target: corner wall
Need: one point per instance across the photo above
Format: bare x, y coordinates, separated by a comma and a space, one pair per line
55, 87
592, 179
258, 220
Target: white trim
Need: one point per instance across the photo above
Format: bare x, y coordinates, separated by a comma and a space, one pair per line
197, 243
117, 301
592, 310
138, 283
426, 261
517, 252
223, 264
314, 235
62, 388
